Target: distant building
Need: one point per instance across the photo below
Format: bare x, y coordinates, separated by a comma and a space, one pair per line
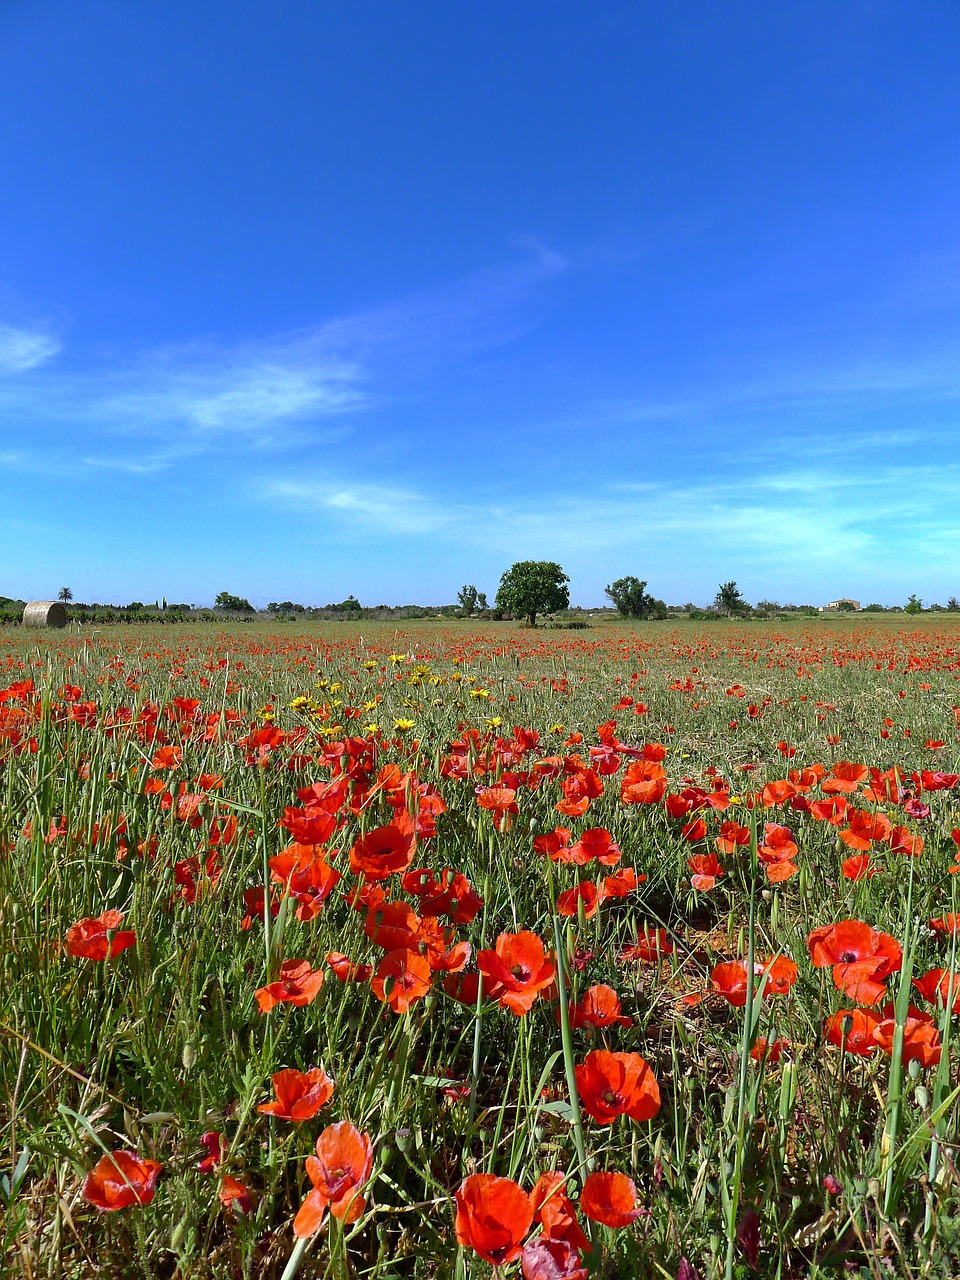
841, 606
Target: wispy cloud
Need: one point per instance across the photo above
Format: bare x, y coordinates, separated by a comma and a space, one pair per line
158, 405
23, 349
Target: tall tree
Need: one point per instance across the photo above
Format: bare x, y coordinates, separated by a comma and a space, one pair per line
530, 587
729, 599
66, 595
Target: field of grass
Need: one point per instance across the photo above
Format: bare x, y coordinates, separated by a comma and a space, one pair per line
503, 890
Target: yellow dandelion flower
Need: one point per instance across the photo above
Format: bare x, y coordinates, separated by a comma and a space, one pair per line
398, 657
368, 665
403, 725
479, 693
556, 728
372, 727
494, 722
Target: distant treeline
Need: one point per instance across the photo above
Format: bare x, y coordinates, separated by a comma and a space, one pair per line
11, 611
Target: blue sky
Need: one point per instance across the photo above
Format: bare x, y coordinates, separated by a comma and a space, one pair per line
311, 299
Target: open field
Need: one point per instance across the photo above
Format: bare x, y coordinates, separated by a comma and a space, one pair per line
516, 882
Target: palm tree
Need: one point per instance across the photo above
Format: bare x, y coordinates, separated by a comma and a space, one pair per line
65, 594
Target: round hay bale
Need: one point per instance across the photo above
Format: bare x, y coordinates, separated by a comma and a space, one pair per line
44, 613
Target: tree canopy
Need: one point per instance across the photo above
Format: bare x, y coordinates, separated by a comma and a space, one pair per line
530, 587
235, 603
729, 599
629, 595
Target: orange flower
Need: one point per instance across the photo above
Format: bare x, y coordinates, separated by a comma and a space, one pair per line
345, 969
858, 867
296, 984
610, 1198
852, 1030
493, 1216
501, 802
90, 937
236, 1195
553, 1210
121, 1179
779, 844
568, 902
644, 782
621, 884
732, 835
864, 828
300, 1094
651, 945
921, 1040
617, 1084
402, 978
844, 778
520, 968
384, 850
392, 925
935, 987
706, 870
340, 1168
599, 1007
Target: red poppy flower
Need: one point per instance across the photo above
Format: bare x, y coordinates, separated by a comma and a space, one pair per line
385, 850
296, 984
596, 843
779, 844
732, 836
864, 828
730, 980
346, 970
402, 978
935, 987
651, 945
706, 870
862, 958
553, 1210
501, 802
568, 902
906, 842
621, 884
844, 778
921, 1040
90, 937
858, 867
946, 925
493, 1216
765, 1051
299, 1094
599, 1006
617, 1084
236, 1196
338, 1171
852, 1030
520, 968
553, 842
644, 782
307, 875
392, 926
216, 1148
610, 1198
121, 1179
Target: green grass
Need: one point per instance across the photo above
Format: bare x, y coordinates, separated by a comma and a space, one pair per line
165, 1042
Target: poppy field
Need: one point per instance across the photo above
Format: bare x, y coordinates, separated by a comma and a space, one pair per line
469, 949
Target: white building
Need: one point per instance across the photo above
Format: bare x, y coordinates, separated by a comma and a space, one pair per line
844, 605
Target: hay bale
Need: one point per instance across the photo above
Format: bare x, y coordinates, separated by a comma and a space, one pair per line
44, 613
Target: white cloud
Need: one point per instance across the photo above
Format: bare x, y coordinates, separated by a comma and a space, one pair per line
25, 349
